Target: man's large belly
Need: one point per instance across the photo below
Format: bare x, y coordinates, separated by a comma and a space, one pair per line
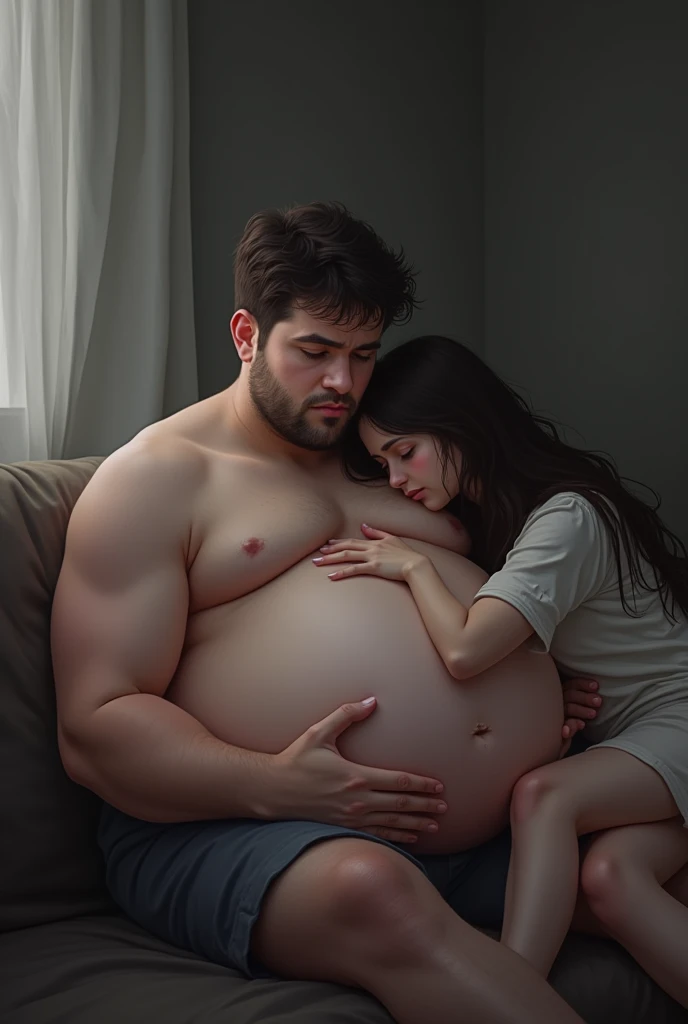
258, 671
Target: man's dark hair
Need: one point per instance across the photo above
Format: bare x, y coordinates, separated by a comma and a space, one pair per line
320, 257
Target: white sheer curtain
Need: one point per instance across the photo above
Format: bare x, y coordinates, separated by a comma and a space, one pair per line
96, 307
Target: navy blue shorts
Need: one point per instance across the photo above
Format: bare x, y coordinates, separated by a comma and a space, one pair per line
200, 885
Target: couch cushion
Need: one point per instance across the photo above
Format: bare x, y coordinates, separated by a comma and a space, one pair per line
106, 969
50, 867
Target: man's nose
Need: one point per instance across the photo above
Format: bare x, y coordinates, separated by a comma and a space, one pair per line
339, 378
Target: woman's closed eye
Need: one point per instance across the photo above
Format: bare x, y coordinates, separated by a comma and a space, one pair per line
406, 455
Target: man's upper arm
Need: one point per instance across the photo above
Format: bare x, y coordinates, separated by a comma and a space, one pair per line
121, 602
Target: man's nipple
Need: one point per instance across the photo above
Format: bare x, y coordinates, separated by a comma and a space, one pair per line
253, 546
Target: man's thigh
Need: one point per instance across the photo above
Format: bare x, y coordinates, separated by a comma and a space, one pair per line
201, 885
474, 882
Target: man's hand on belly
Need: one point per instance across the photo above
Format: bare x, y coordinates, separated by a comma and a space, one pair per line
315, 783
581, 704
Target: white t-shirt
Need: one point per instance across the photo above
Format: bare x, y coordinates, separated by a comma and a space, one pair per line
561, 575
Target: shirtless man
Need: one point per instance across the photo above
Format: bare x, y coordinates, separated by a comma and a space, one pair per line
195, 644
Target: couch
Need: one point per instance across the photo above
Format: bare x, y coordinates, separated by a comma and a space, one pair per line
67, 954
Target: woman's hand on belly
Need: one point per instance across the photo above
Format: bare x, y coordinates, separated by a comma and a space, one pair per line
375, 554
316, 783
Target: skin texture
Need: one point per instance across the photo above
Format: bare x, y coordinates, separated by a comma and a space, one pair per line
469, 636
161, 614
633, 879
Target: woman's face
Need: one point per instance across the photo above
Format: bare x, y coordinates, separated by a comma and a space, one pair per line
413, 464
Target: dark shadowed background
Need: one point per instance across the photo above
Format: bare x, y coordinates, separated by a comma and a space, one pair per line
530, 156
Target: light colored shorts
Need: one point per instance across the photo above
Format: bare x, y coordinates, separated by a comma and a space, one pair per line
660, 739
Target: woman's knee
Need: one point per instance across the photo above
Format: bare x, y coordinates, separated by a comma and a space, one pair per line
607, 879
535, 793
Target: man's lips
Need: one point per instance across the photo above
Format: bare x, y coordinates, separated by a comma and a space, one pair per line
334, 409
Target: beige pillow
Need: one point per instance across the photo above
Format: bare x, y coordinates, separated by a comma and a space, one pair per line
50, 866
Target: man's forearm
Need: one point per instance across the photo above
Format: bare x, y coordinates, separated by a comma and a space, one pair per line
154, 761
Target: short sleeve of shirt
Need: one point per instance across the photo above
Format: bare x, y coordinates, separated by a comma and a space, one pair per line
559, 560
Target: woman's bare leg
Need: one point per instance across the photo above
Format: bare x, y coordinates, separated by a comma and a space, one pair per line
623, 876
355, 912
678, 886
550, 808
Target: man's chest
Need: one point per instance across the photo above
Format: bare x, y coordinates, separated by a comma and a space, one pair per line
260, 525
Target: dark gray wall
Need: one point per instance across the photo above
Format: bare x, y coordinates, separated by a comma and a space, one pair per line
376, 104
586, 158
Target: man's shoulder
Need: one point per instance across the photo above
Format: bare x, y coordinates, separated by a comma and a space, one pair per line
173, 449
151, 483
167, 461
150, 460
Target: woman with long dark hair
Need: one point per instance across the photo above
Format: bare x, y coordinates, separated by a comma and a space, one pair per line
579, 566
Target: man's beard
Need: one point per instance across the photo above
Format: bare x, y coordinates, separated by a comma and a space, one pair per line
275, 406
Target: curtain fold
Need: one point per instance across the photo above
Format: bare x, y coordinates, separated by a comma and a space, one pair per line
96, 298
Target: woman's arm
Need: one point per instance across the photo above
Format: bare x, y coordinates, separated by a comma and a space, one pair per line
560, 559
469, 640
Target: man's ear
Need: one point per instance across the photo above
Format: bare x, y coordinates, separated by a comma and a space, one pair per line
245, 334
